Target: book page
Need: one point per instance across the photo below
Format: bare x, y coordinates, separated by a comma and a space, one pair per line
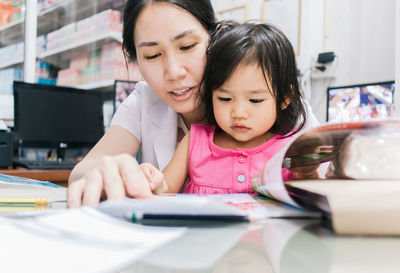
76, 240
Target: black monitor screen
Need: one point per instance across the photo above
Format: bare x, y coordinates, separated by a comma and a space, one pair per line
361, 102
45, 116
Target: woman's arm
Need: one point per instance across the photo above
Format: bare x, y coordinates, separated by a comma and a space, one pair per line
109, 169
176, 172
116, 140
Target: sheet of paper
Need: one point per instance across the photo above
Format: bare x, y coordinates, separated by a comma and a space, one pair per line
76, 240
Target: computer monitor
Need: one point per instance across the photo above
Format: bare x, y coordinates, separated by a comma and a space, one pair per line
361, 102
56, 117
122, 89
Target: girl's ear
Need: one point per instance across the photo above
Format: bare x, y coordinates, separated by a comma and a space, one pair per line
285, 104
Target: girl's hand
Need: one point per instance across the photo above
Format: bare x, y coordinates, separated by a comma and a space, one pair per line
155, 178
114, 177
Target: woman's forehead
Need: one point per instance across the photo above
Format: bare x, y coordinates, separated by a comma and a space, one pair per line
162, 22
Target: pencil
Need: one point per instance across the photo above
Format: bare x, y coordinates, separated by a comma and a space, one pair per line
18, 208
42, 202
177, 219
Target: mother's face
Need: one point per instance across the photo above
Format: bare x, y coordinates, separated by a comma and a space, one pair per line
171, 53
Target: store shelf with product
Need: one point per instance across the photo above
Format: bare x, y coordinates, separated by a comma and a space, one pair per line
77, 46
15, 23
51, 15
66, 28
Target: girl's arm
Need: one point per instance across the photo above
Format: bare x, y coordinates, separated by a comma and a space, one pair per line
176, 172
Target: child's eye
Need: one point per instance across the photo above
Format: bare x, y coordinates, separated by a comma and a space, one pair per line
256, 100
152, 57
184, 48
223, 99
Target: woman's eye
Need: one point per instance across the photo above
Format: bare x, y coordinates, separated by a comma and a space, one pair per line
223, 99
184, 48
152, 57
256, 100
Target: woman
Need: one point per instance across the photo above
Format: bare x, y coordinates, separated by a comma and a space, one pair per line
168, 40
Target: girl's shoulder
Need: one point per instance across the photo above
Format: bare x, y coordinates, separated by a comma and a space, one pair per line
196, 126
201, 129
200, 135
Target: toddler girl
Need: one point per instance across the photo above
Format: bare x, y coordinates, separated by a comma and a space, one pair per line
253, 104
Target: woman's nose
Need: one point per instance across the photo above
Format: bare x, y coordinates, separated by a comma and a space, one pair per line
174, 68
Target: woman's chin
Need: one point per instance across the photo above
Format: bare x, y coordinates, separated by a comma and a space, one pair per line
183, 107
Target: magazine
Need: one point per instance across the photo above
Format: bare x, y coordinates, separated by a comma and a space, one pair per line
198, 210
347, 171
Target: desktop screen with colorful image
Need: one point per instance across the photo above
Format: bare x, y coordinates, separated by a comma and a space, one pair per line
122, 89
361, 102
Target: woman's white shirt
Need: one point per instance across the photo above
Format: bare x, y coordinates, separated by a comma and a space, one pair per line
152, 122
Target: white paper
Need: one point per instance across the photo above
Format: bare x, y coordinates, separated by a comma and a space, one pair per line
76, 240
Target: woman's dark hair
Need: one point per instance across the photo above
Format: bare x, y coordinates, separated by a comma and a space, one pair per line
201, 9
234, 44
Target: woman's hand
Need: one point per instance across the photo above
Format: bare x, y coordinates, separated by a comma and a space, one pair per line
116, 177
155, 178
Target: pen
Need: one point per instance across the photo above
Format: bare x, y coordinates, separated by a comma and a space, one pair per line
150, 218
39, 202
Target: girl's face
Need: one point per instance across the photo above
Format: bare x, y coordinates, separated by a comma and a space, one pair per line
244, 107
171, 53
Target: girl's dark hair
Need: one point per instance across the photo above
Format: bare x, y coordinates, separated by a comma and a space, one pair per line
201, 9
234, 44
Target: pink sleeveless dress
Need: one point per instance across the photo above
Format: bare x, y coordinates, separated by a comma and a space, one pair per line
215, 170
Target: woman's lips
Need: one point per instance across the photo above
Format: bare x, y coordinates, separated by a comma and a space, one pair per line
182, 95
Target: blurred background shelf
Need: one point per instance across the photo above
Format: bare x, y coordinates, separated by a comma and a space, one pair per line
11, 63
55, 15
90, 43
104, 85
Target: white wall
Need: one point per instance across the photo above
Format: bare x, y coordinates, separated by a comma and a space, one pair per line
360, 32
253, 6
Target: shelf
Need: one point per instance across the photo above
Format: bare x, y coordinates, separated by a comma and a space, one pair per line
101, 37
60, 13
12, 27
14, 62
97, 84
54, 7
116, 36
6, 106
12, 24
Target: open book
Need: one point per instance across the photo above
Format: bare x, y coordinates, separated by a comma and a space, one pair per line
359, 189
